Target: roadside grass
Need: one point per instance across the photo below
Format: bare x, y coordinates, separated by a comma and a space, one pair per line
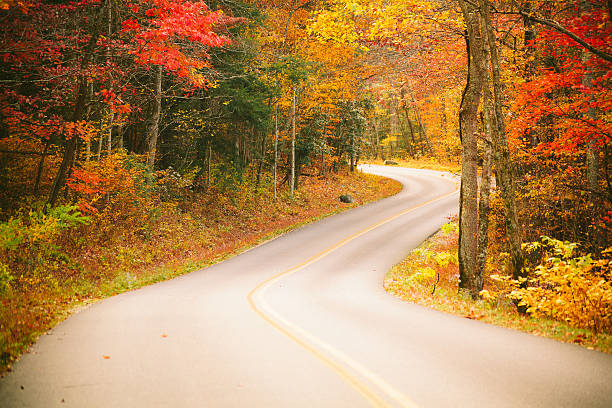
429, 163
204, 232
434, 264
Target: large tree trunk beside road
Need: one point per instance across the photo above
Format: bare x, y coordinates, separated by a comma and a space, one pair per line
504, 173
468, 119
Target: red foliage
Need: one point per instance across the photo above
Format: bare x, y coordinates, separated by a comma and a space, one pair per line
167, 23
569, 96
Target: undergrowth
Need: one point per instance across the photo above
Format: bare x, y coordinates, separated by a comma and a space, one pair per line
429, 276
137, 233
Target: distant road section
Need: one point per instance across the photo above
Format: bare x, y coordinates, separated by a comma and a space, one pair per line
303, 321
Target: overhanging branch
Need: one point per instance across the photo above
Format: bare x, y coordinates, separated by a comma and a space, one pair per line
558, 27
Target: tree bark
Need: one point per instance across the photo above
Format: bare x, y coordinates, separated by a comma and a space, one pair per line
100, 142
488, 122
209, 164
293, 142
485, 191
109, 134
528, 37
154, 128
443, 118
121, 131
41, 165
87, 150
468, 119
504, 173
352, 157
262, 157
377, 147
87, 116
275, 168
411, 127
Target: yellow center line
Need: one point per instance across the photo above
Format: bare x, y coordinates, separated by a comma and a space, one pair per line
316, 346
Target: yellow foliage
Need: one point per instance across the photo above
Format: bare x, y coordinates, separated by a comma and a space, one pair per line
577, 290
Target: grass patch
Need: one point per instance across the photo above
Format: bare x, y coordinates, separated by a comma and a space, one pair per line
185, 238
429, 276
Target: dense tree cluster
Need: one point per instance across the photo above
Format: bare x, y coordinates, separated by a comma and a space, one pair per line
229, 90
107, 104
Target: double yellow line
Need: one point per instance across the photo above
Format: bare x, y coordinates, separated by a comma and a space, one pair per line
321, 350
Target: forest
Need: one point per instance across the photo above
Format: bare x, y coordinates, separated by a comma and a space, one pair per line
128, 125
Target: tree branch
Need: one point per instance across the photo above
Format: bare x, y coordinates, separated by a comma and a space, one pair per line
556, 26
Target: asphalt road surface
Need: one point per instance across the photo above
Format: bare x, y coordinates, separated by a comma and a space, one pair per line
303, 321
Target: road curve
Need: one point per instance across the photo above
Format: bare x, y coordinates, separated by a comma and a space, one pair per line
303, 321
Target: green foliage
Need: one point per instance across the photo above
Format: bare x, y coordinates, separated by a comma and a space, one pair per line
294, 68
5, 278
39, 227
351, 127
449, 228
423, 274
29, 246
10, 234
443, 258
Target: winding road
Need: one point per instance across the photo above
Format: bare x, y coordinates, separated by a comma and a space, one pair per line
303, 321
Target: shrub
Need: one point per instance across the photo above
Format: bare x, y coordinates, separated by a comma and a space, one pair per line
5, 278
575, 289
28, 243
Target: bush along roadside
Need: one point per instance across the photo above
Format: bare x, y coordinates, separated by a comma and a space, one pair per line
568, 297
132, 229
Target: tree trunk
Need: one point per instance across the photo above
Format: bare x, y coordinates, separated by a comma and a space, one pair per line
483, 203
293, 142
592, 162
209, 164
529, 36
87, 150
352, 157
298, 170
41, 165
262, 157
87, 116
100, 141
323, 160
418, 116
488, 121
121, 132
275, 168
154, 128
411, 127
377, 148
468, 119
443, 119
504, 173
109, 135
